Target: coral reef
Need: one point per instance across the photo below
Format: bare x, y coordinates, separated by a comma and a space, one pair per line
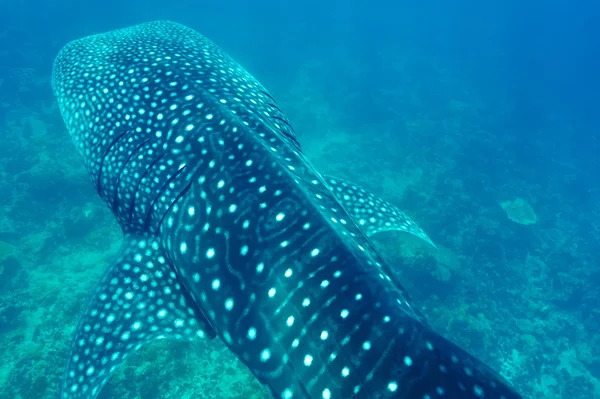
6, 250
519, 211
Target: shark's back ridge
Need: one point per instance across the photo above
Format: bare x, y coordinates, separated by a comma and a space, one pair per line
167, 51
121, 89
230, 232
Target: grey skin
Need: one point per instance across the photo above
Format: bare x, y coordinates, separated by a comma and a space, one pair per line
230, 232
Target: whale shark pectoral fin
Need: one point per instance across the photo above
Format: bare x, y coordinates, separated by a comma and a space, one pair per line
371, 213
139, 299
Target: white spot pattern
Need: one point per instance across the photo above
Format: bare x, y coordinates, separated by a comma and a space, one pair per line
202, 168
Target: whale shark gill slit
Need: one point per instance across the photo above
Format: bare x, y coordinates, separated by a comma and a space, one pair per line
160, 192
179, 196
278, 109
114, 141
287, 123
116, 197
141, 179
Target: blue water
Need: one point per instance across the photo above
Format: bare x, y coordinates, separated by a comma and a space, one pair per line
448, 110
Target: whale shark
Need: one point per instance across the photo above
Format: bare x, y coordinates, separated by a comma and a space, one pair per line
229, 232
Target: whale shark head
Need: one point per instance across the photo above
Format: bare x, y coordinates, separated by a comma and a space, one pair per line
230, 232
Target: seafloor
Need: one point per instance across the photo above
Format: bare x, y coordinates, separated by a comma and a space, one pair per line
515, 221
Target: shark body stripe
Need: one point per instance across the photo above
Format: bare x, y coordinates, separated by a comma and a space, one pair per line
200, 165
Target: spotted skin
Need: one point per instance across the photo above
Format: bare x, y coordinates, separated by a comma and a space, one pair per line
138, 300
246, 240
372, 213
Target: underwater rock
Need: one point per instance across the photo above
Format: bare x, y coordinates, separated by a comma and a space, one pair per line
9, 317
12, 275
80, 223
6, 250
519, 211
35, 127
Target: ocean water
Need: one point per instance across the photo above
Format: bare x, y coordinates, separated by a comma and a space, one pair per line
479, 119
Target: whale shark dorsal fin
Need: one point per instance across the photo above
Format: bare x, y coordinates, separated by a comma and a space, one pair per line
139, 299
371, 213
